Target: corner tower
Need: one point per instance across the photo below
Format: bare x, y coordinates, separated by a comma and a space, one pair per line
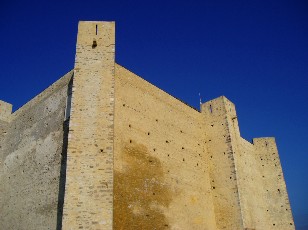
248, 187
221, 128
89, 175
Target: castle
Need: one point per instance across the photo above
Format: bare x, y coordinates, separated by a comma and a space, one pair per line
101, 148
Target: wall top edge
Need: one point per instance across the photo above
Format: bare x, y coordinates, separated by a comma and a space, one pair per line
64, 80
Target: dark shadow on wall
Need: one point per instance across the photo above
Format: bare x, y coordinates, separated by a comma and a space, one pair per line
62, 178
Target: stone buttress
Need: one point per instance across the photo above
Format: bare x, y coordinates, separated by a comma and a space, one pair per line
88, 201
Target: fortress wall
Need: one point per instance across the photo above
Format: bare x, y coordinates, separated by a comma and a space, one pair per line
276, 200
31, 160
219, 115
5, 111
5, 117
88, 202
3, 132
137, 158
161, 173
251, 189
243, 174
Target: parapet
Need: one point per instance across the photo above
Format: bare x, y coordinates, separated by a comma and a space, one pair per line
5, 111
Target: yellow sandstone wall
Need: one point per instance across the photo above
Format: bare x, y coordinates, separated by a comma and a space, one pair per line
249, 190
160, 168
219, 115
275, 199
88, 200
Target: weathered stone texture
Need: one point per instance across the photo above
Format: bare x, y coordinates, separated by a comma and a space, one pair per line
219, 117
161, 175
251, 188
275, 199
5, 111
88, 200
247, 179
30, 161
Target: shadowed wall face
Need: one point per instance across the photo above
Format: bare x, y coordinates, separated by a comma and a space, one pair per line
30, 161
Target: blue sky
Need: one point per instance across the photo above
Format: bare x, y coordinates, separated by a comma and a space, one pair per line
253, 52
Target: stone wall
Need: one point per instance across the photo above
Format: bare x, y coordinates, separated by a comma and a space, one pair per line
160, 166
5, 111
248, 187
251, 187
31, 161
275, 199
219, 115
88, 200
3, 132
134, 158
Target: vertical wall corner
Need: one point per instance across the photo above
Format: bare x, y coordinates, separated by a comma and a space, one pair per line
89, 174
221, 108
221, 144
278, 209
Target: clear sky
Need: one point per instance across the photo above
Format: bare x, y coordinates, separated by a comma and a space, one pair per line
253, 52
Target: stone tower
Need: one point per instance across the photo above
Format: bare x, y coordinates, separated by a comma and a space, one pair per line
89, 173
